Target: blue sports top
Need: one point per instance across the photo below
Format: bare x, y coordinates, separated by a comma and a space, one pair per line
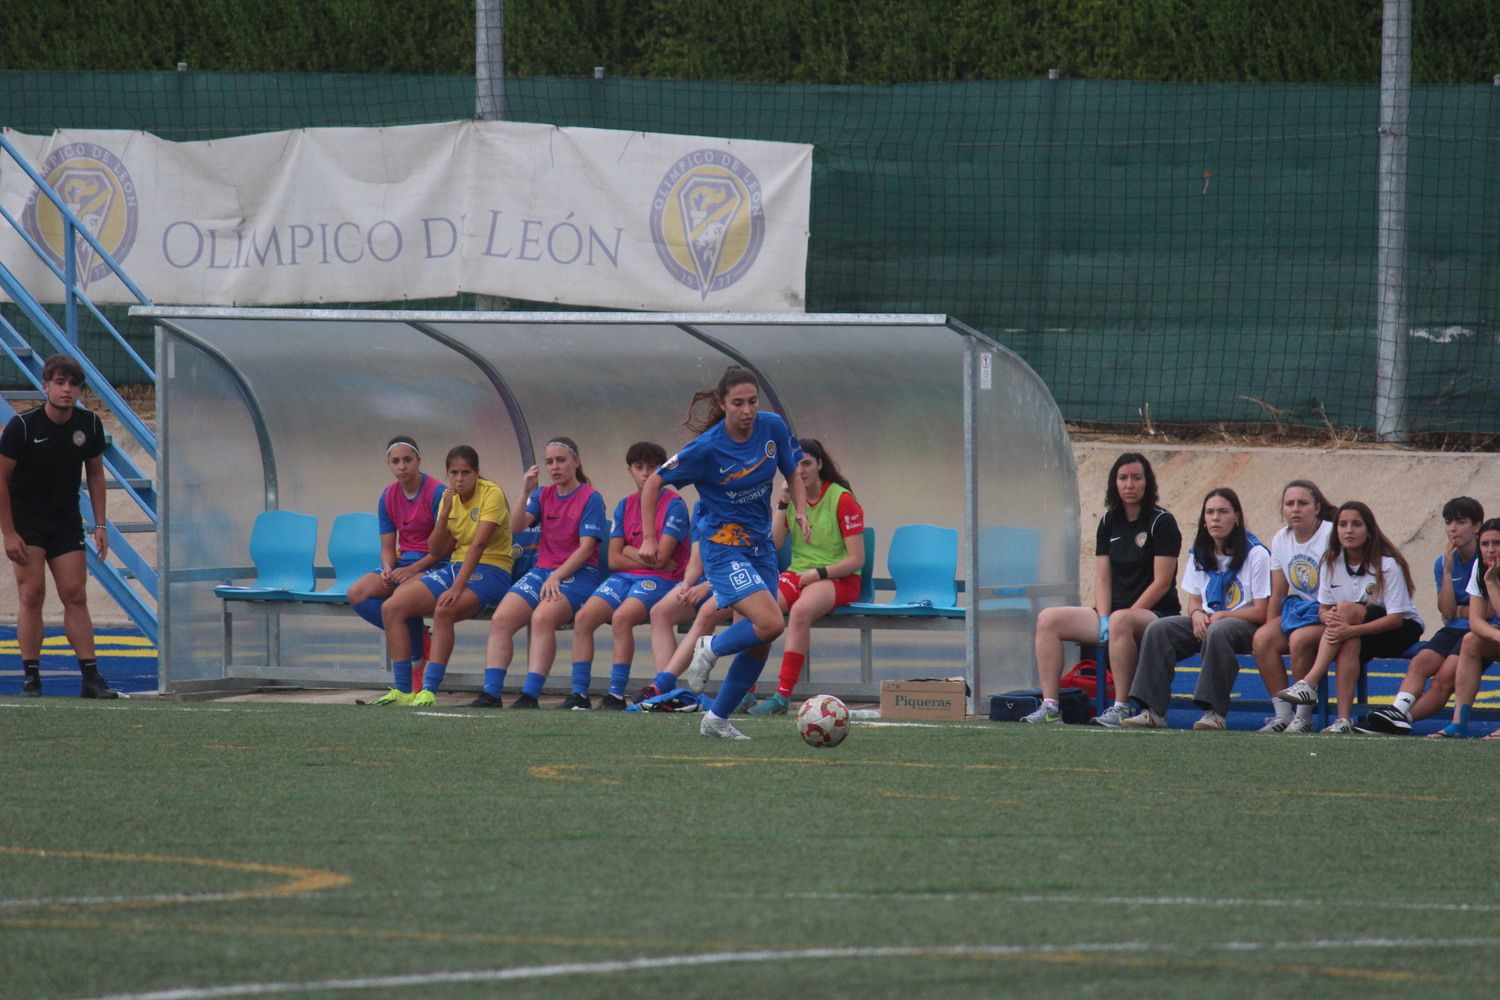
734, 478
1462, 570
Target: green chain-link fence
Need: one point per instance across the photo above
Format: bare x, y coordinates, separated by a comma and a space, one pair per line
1207, 251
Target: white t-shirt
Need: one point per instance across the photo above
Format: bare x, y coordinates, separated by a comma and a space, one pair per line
1253, 580
1476, 581
1298, 561
1340, 585
1476, 588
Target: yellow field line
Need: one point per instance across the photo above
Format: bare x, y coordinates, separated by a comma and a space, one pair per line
303, 880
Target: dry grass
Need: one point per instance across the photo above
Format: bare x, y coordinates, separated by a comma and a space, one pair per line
1248, 435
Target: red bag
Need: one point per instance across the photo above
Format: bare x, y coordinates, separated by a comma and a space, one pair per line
1085, 677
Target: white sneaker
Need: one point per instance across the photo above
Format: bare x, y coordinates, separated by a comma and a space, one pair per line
1045, 713
1146, 719
1339, 726
1300, 693
1299, 724
1111, 717
1276, 724
719, 728
1210, 722
695, 677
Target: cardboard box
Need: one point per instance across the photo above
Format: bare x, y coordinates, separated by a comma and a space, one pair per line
936, 700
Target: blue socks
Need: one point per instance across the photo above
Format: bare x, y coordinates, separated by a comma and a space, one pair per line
369, 610
743, 673
739, 636
619, 677
532, 686
401, 675
582, 673
433, 678
494, 681
665, 681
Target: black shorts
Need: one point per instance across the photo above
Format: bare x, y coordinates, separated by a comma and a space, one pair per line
53, 536
1445, 641
1388, 644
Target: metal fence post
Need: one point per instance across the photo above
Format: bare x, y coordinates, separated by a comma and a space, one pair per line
489, 88
1391, 264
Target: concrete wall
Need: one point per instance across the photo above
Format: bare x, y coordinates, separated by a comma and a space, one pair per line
1405, 489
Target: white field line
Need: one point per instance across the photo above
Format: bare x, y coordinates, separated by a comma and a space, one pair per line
1068, 899
1051, 899
678, 962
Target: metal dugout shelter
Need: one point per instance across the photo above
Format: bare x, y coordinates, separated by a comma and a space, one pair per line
258, 409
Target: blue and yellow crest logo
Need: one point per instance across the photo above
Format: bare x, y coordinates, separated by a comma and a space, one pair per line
1234, 594
1302, 571
97, 188
707, 220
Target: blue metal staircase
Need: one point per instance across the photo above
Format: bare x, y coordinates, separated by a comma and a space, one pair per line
128, 577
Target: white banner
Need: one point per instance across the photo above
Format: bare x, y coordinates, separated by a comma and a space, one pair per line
589, 217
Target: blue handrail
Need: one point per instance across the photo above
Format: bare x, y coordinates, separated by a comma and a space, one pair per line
72, 322
64, 339
44, 322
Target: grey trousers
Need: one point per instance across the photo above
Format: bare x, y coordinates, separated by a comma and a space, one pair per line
1168, 640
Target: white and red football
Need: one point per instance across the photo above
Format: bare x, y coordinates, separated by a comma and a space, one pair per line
823, 721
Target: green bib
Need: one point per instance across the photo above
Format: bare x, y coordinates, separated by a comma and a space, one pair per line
827, 546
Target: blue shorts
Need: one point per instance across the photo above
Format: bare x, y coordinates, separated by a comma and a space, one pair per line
577, 588
1445, 641
489, 583
647, 589
407, 558
735, 572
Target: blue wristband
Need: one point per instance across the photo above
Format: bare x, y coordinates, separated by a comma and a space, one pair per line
1103, 629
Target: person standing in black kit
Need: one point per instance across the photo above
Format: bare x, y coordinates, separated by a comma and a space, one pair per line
43, 452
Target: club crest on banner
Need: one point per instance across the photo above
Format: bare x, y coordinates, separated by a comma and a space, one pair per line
708, 221
96, 187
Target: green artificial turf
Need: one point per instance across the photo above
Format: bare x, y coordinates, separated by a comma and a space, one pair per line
170, 846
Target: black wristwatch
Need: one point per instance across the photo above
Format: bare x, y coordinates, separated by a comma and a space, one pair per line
822, 572
783, 505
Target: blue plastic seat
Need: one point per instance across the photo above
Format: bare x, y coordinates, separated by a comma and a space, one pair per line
354, 550
1009, 562
283, 544
867, 577
923, 562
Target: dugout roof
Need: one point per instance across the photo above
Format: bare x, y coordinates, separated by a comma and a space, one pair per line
931, 421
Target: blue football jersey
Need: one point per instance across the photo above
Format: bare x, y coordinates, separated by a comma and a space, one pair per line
734, 478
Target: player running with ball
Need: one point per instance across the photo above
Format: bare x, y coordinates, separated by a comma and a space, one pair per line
733, 462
